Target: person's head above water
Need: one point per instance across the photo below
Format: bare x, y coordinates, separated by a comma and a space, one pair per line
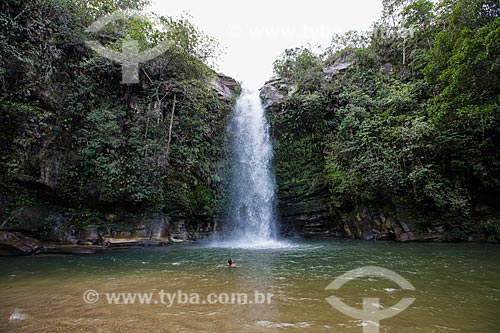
231, 263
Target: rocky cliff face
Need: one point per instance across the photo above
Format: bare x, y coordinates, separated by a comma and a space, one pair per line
303, 196
227, 88
305, 202
38, 200
79, 147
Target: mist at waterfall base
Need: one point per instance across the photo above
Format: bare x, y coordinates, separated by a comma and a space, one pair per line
250, 218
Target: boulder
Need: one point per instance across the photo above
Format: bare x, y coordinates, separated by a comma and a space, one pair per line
405, 227
387, 69
347, 231
226, 87
18, 244
337, 67
406, 237
146, 231
275, 91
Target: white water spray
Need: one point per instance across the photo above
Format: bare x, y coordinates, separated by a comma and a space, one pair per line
251, 209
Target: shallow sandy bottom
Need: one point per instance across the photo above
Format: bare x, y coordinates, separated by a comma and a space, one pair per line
457, 288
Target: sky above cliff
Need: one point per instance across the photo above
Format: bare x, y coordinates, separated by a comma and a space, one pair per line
254, 33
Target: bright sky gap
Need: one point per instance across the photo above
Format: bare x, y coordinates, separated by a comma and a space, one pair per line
255, 33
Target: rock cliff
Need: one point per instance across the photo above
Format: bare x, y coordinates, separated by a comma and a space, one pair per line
306, 205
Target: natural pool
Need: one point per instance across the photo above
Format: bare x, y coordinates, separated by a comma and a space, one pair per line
457, 288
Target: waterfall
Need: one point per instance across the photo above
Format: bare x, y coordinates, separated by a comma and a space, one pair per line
251, 218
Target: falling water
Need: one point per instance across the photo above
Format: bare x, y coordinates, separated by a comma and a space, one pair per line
251, 208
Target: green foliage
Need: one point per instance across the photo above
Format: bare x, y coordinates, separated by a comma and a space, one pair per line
302, 67
73, 131
492, 230
423, 135
343, 43
90, 10
470, 77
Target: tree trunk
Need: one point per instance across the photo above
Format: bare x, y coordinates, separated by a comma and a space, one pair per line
170, 126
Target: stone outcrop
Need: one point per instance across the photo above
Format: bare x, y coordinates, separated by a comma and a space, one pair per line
308, 214
275, 91
304, 198
364, 224
336, 67
227, 88
48, 196
375, 223
387, 69
18, 244
61, 236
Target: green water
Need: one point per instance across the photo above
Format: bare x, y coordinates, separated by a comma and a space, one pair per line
457, 288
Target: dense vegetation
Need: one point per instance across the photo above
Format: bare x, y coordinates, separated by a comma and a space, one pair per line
401, 122
410, 126
73, 138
